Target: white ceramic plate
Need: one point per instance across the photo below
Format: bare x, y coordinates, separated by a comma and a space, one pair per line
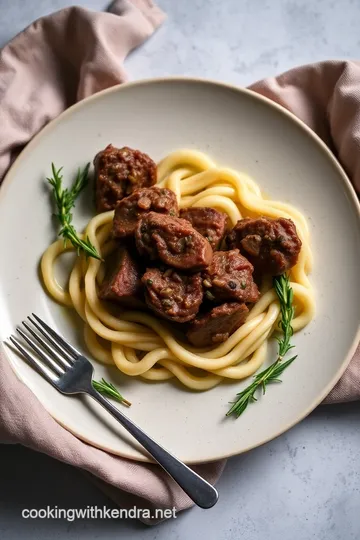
238, 129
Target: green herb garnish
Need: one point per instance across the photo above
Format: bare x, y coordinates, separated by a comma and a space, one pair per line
65, 201
272, 373
108, 389
209, 295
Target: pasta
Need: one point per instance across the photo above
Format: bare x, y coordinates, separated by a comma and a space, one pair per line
138, 343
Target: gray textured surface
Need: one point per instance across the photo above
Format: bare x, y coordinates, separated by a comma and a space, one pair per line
305, 484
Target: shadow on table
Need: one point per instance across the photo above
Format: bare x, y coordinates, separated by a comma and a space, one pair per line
33, 480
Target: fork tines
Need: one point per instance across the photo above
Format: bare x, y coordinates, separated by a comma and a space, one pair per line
55, 353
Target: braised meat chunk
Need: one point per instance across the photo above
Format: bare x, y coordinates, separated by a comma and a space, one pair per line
172, 240
122, 282
217, 325
208, 222
272, 245
229, 278
118, 172
130, 209
172, 295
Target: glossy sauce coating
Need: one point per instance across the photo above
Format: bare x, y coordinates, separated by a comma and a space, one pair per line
122, 282
172, 240
271, 245
173, 295
118, 172
229, 278
208, 222
129, 210
217, 325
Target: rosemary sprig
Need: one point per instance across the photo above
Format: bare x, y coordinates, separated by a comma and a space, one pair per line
65, 201
272, 373
108, 389
286, 295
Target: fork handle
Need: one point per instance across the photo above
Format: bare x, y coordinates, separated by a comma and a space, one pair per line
199, 490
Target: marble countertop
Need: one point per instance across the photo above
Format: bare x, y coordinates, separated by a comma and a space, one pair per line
305, 484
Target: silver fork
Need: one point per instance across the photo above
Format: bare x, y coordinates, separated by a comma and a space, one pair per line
71, 373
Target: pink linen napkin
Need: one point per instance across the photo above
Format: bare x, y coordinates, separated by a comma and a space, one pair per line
326, 97
67, 56
55, 62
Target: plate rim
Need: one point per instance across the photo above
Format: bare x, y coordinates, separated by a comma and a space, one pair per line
345, 182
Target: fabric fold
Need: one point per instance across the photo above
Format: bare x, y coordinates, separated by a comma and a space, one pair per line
59, 60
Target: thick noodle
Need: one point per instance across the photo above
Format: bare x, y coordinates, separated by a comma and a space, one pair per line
140, 344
